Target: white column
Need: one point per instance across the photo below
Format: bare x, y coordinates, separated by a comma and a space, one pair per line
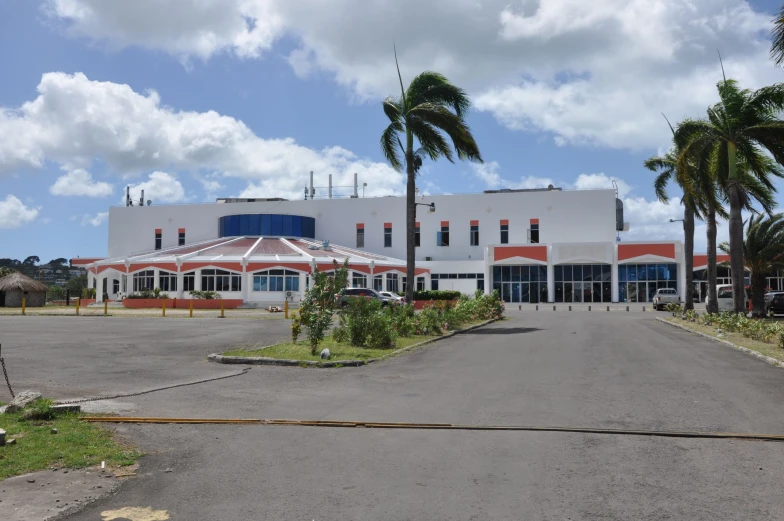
550, 282
681, 268
156, 281
197, 279
245, 284
99, 287
384, 281
180, 283
614, 273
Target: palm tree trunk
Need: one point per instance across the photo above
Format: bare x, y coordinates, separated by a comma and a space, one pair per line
713, 304
758, 283
736, 231
736, 250
688, 232
410, 219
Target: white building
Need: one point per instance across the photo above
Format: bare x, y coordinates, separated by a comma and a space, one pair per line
543, 245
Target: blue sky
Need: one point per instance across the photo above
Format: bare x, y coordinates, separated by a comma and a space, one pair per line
193, 99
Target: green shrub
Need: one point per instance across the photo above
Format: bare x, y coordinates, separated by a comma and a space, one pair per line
437, 295
88, 293
403, 319
381, 334
318, 305
205, 295
296, 326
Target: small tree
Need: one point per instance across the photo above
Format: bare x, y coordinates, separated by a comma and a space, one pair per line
318, 306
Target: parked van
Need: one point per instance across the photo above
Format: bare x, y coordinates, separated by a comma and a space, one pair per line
724, 297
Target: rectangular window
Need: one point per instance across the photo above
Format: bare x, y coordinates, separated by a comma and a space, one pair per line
533, 232
416, 236
158, 239
167, 281
474, 235
143, 280
504, 231
392, 282
442, 237
189, 281
181, 237
480, 284
387, 235
420, 284
358, 280
115, 286
360, 237
434, 284
276, 280
378, 283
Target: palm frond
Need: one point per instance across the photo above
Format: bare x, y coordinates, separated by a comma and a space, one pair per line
433, 143
393, 108
390, 144
432, 87
444, 120
777, 38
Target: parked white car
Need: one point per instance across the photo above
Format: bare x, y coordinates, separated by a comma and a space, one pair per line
664, 296
394, 296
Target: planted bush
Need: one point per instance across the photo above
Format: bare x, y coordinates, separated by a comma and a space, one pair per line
437, 295
318, 306
205, 295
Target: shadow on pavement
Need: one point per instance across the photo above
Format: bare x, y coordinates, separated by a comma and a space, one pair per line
502, 331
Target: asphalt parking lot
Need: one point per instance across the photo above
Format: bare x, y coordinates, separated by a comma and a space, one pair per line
607, 370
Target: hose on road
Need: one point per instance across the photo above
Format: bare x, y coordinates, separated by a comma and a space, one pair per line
439, 426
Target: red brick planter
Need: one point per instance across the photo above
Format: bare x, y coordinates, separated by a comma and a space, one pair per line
422, 304
153, 303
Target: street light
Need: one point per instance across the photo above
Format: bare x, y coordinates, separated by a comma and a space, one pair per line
676, 220
432, 206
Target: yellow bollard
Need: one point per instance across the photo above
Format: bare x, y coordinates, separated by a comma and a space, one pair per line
24, 305
222, 315
78, 303
191, 304
105, 307
163, 307
286, 309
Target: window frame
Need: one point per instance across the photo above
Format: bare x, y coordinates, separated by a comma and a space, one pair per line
504, 234
181, 239
387, 237
360, 237
158, 240
170, 279
442, 237
146, 275
474, 235
275, 280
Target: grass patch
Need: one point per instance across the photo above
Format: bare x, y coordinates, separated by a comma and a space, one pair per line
76, 445
767, 349
301, 350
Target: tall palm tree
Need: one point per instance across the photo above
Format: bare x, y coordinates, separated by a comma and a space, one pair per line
428, 109
763, 253
695, 202
738, 128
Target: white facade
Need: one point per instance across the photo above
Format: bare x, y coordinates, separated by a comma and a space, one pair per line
533, 246
564, 216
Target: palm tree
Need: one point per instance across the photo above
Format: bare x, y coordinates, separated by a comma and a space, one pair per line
428, 109
738, 128
763, 253
695, 202
777, 38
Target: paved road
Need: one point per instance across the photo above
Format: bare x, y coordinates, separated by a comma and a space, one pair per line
597, 369
73, 357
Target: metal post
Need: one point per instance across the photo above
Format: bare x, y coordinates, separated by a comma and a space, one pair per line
330, 186
356, 186
553, 308
24, 305
312, 191
222, 315
537, 307
286, 309
627, 308
191, 306
570, 308
643, 309
105, 307
608, 308
163, 307
589, 308
68, 297
78, 303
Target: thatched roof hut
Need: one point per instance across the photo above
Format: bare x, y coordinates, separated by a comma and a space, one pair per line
15, 287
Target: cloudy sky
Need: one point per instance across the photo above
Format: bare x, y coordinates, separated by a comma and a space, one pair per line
196, 99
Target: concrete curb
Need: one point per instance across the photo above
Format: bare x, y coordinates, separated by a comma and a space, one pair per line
755, 354
263, 360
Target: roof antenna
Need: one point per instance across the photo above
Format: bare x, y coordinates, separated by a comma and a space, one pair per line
722, 66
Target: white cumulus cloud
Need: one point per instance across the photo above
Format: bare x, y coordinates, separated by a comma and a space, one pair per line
597, 73
160, 187
80, 182
94, 220
14, 213
74, 120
